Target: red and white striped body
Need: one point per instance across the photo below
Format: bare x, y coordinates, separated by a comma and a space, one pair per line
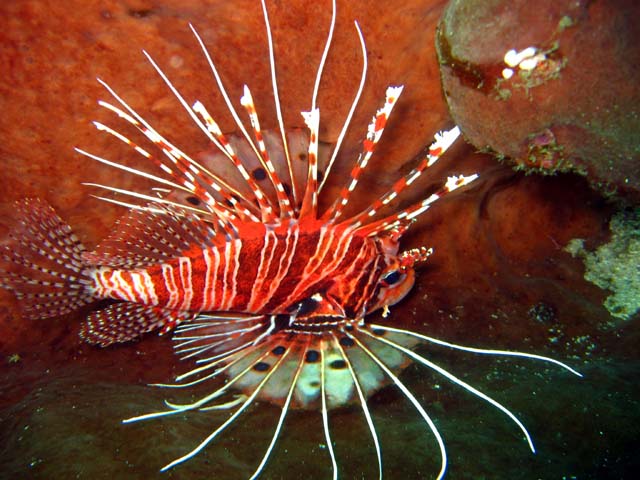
269, 271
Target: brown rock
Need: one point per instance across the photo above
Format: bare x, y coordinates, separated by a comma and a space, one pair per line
578, 109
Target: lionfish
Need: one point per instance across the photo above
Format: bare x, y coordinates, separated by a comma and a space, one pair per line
258, 285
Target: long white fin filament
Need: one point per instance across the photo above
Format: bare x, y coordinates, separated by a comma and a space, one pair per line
483, 351
134, 171
352, 109
325, 413
325, 53
229, 421
223, 91
285, 410
407, 393
276, 96
363, 404
457, 381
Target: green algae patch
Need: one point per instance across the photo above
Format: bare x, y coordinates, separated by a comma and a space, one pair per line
615, 265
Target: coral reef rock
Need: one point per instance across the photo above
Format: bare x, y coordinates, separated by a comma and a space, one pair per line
553, 87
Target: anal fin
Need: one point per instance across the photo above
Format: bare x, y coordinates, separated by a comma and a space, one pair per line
123, 322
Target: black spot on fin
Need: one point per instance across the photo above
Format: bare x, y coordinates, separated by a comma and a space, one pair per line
126, 321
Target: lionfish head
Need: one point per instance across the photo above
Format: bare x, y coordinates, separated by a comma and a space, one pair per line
391, 280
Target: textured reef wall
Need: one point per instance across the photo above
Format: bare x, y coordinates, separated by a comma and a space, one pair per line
499, 277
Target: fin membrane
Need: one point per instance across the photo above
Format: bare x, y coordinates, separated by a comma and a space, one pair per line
123, 322
149, 236
43, 265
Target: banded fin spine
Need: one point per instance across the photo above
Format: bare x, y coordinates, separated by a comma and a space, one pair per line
182, 168
123, 322
276, 98
374, 133
45, 268
286, 210
409, 214
442, 141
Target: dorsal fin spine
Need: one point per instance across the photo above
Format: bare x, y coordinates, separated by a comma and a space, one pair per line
177, 158
418, 208
209, 128
266, 212
443, 140
276, 98
374, 133
310, 201
226, 147
283, 199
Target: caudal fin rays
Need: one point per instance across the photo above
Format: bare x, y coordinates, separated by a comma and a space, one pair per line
44, 265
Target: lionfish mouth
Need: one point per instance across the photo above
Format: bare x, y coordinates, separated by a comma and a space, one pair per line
316, 363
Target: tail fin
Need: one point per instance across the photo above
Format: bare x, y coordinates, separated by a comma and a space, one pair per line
43, 265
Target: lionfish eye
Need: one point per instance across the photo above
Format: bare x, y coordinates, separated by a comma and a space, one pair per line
391, 277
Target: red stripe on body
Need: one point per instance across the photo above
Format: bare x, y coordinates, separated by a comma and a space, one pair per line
288, 245
265, 258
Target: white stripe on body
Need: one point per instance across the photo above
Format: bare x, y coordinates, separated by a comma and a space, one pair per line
170, 284
186, 280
